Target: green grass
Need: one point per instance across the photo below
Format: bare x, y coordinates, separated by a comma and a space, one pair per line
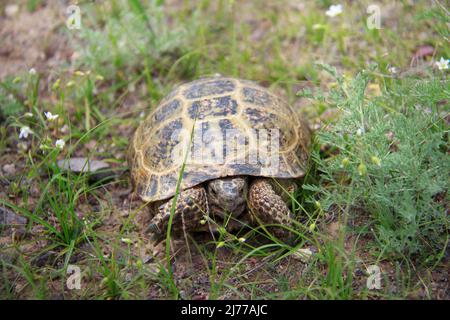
379, 165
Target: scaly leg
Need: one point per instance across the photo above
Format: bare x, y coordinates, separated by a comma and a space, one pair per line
269, 204
190, 209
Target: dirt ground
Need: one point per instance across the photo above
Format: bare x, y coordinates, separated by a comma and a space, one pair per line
33, 40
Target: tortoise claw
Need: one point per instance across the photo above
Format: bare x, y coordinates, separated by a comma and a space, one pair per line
156, 235
157, 238
153, 228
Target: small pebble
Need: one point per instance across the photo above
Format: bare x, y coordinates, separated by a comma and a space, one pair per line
9, 169
12, 223
96, 169
303, 254
11, 10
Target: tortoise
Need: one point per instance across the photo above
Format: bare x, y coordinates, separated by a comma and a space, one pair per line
200, 115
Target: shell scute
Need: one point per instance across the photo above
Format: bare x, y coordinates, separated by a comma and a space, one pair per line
256, 97
167, 183
214, 107
167, 111
203, 88
159, 152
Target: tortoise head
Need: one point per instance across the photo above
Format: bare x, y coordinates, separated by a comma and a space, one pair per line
227, 195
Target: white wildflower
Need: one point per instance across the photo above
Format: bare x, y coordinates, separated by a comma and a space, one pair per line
334, 10
50, 116
360, 132
24, 132
32, 71
392, 70
60, 143
442, 64
126, 240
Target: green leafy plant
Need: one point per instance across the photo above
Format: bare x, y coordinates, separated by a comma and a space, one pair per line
387, 157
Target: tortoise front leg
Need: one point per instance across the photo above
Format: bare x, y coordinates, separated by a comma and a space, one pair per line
268, 203
191, 207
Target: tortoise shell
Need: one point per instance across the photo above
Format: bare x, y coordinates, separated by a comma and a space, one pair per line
216, 127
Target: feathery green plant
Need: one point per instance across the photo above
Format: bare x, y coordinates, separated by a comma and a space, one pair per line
390, 153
